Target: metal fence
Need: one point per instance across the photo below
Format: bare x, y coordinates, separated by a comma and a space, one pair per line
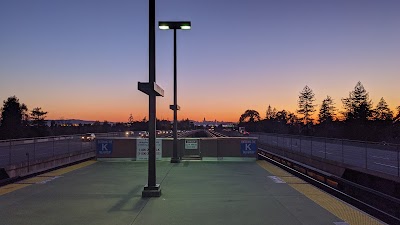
381, 157
28, 150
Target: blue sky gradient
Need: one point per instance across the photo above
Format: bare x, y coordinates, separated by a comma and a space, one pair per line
83, 58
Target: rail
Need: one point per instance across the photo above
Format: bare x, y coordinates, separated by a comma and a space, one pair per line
28, 150
379, 157
380, 205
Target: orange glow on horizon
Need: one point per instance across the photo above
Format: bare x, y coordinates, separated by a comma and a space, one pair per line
167, 115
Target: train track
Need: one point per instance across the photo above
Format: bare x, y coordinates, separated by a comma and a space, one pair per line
380, 205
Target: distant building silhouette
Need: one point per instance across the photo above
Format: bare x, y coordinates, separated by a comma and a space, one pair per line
214, 123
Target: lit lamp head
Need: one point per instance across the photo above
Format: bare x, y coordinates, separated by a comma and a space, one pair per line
174, 25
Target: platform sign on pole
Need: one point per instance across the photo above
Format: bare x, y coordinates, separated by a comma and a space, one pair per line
142, 149
191, 143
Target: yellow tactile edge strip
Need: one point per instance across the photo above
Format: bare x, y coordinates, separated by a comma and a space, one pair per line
337, 207
43, 177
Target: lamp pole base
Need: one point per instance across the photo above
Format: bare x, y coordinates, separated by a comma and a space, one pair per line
153, 191
175, 160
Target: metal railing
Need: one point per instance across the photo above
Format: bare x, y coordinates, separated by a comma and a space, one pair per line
17, 151
380, 157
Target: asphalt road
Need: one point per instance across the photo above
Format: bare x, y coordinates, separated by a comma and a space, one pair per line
380, 158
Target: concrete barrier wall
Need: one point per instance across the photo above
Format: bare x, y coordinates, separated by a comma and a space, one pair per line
25, 168
230, 147
126, 147
210, 147
207, 147
167, 145
123, 147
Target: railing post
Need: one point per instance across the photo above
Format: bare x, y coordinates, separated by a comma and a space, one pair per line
366, 155
342, 152
270, 140
68, 144
300, 143
291, 144
180, 153
34, 149
217, 149
398, 161
9, 153
283, 147
82, 143
54, 140
27, 155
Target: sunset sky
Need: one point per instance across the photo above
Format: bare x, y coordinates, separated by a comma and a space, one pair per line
82, 59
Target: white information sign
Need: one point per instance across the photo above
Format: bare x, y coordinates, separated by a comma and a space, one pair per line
142, 149
191, 144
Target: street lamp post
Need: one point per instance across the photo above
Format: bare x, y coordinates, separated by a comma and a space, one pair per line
175, 25
152, 189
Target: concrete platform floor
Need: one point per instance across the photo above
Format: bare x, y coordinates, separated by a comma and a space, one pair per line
109, 193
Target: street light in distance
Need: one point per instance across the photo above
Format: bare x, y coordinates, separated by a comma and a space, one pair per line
175, 25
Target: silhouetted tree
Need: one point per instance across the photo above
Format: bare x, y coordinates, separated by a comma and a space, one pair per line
282, 116
281, 121
106, 126
285, 118
38, 116
271, 113
13, 118
397, 117
306, 106
358, 106
250, 120
250, 116
382, 111
396, 126
184, 124
39, 126
118, 127
130, 120
292, 119
96, 127
327, 110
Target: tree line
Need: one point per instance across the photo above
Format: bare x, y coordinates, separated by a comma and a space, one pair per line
358, 119
17, 121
